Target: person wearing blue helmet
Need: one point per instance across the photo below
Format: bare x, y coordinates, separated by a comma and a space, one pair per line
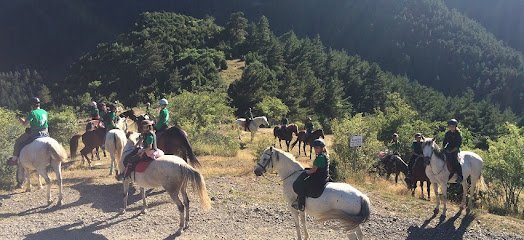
317, 175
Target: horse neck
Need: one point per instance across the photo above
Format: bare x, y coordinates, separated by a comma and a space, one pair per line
402, 166
285, 165
437, 162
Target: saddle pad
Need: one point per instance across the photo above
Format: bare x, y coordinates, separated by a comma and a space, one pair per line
142, 165
313, 189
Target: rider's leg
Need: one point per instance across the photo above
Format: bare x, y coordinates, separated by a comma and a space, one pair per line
458, 168
20, 143
411, 164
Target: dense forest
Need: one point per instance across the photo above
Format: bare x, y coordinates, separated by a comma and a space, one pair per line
171, 53
501, 17
423, 40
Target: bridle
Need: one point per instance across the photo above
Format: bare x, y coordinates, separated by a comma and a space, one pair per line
429, 160
269, 160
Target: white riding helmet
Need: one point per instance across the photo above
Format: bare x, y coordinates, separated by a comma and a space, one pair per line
93, 103
163, 101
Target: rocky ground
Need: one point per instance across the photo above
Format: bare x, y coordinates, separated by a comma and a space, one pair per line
243, 207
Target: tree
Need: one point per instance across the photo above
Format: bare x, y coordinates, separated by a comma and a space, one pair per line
236, 29
273, 108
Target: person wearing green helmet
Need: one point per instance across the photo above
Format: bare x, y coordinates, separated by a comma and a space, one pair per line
163, 117
38, 127
452, 142
417, 153
314, 178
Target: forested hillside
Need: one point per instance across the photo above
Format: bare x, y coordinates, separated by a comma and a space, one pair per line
421, 39
501, 17
171, 53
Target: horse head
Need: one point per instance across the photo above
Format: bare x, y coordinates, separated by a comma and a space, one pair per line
266, 159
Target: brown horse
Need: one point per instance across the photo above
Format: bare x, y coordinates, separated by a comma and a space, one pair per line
303, 138
392, 164
286, 135
174, 141
418, 175
92, 140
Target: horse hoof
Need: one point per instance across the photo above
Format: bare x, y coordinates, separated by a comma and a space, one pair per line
144, 211
435, 211
59, 204
186, 227
179, 232
49, 202
123, 211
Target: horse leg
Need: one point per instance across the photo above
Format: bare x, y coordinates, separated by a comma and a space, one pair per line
58, 173
428, 184
294, 212
302, 215
97, 153
435, 190
359, 233
173, 192
126, 194
104, 150
465, 193
27, 180
280, 142
252, 135
310, 151
287, 144
396, 178
422, 189
144, 202
39, 182
185, 200
43, 173
444, 198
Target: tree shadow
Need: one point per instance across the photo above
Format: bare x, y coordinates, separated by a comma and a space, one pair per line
444, 229
107, 198
76, 231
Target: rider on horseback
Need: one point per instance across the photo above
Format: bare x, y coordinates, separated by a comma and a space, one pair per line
284, 124
146, 143
249, 118
395, 145
37, 120
163, 118
309, 128
110, 118
94, 113
416, 146
316, 177
451, 143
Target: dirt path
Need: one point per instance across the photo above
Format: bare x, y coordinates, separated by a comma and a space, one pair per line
244, 207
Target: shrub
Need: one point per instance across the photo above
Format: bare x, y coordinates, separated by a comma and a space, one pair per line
11, 130
213, 142
351, 159
273, 108
62, 124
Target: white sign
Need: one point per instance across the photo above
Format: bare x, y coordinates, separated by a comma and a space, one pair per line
356, 141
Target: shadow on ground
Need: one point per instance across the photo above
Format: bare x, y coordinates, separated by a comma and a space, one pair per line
445, 229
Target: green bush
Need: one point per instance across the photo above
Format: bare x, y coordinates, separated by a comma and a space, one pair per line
273, 108
11, 130
213, 142
62, 124
505, 165
198, 111
354, 159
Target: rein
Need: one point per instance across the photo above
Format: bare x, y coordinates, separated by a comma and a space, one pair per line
441, 169
271, 160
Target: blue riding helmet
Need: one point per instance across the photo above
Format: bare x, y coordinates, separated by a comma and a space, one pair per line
319, 143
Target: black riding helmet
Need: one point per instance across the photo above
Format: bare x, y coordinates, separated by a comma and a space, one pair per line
35, 100
452, 122
395, 135
319, 143
418, 135
112, 107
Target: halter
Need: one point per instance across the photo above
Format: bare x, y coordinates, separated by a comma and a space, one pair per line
270, 160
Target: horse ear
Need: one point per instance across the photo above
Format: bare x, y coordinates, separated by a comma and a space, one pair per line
271, 148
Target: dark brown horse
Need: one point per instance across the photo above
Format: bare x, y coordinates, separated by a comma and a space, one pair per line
418, 175
303, 139
393, 164
172, 141
92, 140
285, 134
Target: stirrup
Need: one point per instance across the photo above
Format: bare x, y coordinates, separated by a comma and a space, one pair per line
297, 206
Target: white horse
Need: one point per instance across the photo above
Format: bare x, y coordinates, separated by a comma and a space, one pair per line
173, 174
339, 201
115, 142
37, 155
438, 173
254, 125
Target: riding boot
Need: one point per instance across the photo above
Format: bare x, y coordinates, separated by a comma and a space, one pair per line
299, 203
458, 170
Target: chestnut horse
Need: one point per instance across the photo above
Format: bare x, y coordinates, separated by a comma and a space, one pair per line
302, 138
418, 175
286, 135
92, 140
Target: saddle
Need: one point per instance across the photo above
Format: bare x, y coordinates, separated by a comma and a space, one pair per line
450, 166
313, 189
92, 125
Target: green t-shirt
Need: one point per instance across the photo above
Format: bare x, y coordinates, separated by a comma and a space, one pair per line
309, 126
148, 140
320, 161
94, 112
37, 119
395, 146
109, 120
163, 119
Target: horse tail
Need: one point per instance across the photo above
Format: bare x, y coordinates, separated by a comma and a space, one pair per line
199, 185
192, 159
73, 145
349, 221
295, 142
481, 184
57, 151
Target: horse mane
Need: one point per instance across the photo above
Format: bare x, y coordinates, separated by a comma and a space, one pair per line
436, 149
288, 155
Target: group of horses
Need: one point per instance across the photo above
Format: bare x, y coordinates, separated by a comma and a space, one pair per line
173, 171
285, 133
434, 168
